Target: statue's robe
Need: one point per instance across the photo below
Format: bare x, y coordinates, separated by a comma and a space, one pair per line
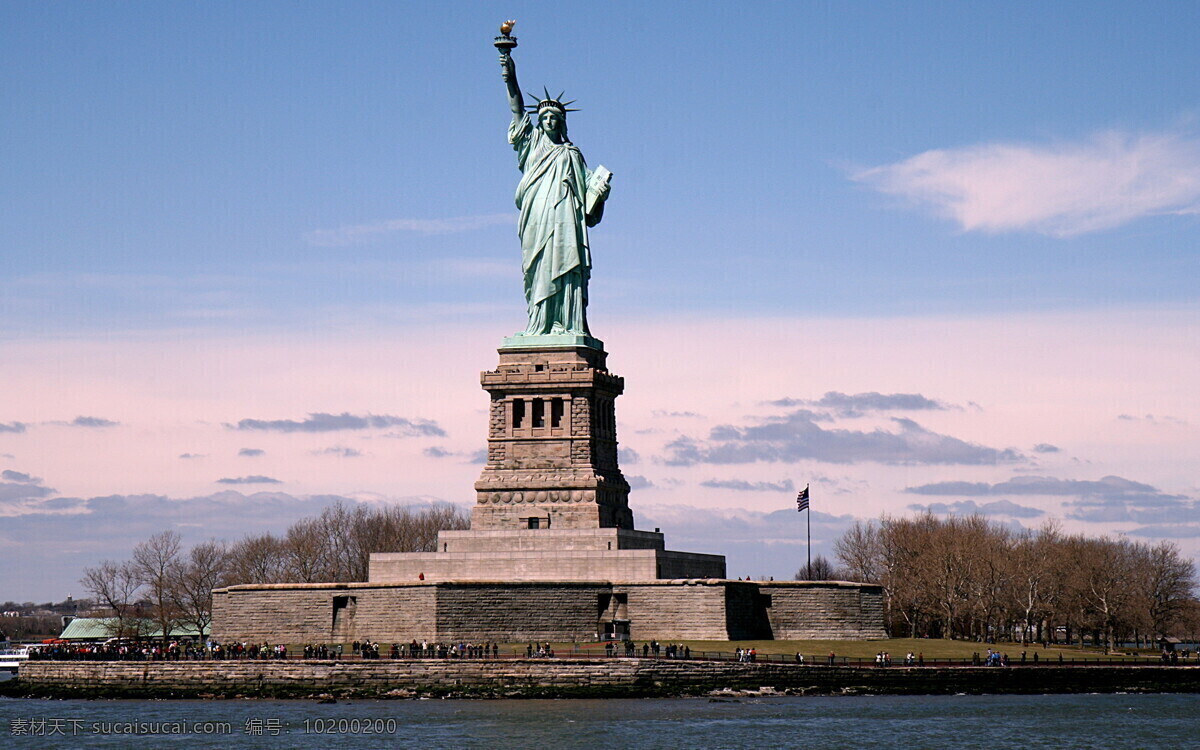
554, 230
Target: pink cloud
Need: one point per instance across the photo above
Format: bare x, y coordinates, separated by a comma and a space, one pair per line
1059, 189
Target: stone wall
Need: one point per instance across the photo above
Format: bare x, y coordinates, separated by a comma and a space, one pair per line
517, 613
676, 610
274, 613
813, 610
673, 564
397, 614
569, 677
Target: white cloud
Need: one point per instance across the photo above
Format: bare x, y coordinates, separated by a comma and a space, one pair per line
1059, 189
970, 507
797, 436
252, 479
357, 233
320, 422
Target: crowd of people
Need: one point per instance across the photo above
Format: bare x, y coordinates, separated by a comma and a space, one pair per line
154, 650
649, 649
414, 649
884, 659
991, 659
747, 654
459, 650
118, 651
186, 650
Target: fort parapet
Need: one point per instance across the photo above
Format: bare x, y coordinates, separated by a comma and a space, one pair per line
510, 611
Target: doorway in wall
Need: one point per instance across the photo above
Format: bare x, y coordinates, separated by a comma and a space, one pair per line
344, 608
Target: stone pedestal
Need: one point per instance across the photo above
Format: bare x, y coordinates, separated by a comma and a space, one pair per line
551, 503
552, 443
554, 554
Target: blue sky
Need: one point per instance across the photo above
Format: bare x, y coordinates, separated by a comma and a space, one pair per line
225, 211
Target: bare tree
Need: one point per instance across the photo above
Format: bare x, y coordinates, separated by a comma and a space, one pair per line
859, 552
115, 585
820, 570
1107, 573
337, 544
307, 556
155, 562
1034, 586
335, 527
1189, 622
195, 576
991, 586
402, 529
964, 576
256, 559
898, 545
1170, 583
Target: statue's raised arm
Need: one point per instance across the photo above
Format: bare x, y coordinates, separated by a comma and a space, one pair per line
508, 71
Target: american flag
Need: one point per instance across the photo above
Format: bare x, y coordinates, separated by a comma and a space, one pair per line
802, 500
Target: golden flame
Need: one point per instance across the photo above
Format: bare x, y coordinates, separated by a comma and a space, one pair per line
506, 27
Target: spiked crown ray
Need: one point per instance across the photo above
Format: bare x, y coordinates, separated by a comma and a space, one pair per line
547, 102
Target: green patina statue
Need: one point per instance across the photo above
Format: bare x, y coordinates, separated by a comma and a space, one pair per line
559, 198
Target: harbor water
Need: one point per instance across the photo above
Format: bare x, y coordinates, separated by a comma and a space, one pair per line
956, 721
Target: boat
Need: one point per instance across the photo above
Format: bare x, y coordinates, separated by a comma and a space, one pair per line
12, 657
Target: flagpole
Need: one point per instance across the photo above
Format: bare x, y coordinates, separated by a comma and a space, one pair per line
808, 523
802, 504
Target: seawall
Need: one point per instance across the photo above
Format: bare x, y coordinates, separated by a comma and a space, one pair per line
511, 678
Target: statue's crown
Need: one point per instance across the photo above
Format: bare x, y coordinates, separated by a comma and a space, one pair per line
550, 102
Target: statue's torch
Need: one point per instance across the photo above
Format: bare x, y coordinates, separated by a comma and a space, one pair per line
504, 42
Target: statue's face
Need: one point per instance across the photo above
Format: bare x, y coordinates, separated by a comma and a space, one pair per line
551, 121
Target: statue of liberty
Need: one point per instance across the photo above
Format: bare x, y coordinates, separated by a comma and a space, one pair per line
559, 199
